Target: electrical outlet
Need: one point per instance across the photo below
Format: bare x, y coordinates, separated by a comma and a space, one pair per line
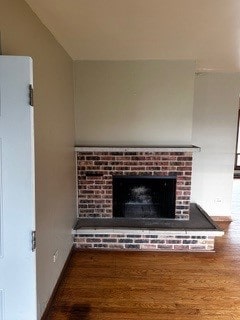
55, 256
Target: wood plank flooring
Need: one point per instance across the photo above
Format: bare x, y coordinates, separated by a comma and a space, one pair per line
153, 286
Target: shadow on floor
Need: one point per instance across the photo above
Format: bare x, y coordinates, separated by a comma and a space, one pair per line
80, 312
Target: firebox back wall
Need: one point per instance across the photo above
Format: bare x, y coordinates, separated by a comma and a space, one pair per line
95, 171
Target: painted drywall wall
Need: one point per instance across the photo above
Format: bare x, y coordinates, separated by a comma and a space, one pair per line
133, 102
150, 102
214, 130
23, 34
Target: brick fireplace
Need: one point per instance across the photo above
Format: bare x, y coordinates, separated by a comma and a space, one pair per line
98, 168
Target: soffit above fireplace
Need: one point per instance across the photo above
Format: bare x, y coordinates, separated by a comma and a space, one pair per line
164, 148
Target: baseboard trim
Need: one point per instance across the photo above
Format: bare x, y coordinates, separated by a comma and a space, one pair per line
45, 315
222, 218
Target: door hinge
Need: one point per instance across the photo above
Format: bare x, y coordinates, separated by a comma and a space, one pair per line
31, 95
33, 240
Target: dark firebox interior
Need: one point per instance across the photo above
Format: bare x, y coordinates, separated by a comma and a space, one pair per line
144, 197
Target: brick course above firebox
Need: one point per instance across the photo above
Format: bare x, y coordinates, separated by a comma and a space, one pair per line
97, 166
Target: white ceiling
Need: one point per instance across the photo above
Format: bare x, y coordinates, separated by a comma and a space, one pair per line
207, 31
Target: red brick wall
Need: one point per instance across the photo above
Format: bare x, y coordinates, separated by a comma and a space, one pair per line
95, 171
154, 240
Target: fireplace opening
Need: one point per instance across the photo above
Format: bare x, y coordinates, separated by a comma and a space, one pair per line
144, 196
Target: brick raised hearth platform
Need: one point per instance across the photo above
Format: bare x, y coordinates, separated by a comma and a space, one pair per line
195, 235
141, 240
96, 167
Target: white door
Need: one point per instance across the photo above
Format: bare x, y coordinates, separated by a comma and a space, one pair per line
17, 191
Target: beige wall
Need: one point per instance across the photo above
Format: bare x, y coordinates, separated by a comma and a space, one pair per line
214, 130
151, 102
23, 34
133, 102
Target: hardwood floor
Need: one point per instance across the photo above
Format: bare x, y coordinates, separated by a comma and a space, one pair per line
153, 286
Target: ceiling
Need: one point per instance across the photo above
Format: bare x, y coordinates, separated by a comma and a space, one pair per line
207, 31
